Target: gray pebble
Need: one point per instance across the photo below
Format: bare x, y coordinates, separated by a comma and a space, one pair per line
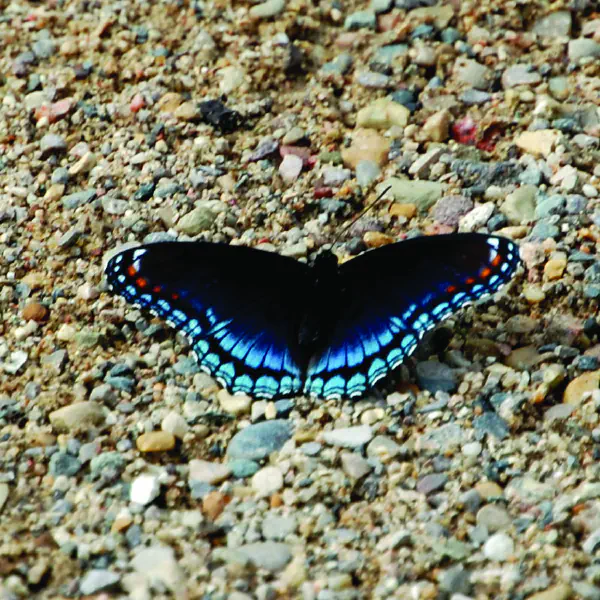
52, 143
272, 556
435, 377
362, 19
275, 527
97, 580
256, 442
62, 463
431, 483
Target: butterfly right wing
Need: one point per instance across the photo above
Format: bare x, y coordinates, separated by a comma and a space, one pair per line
393, 295
240, 308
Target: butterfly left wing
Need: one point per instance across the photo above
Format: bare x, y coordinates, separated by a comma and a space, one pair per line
240, 308
393, 295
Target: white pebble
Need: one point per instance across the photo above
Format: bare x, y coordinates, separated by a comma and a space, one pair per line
175, 424
267, 481
472, 449
144, 489
24, 332
290, 168
589, 190
87, 291
349, 437
499, 547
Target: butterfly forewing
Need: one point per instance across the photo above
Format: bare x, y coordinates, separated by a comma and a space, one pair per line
393, 295
240, 308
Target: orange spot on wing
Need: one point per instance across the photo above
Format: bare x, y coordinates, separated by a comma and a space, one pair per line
156, 289
141, 282
175, 296
469, 280
485, 272
497, 260
131, 270
451, 289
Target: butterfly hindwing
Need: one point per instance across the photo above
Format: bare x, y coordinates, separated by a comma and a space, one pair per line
393, 295
238, 307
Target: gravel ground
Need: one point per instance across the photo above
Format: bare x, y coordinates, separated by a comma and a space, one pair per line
125, 472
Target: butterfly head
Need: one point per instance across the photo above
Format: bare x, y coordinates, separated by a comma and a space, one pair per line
325, 261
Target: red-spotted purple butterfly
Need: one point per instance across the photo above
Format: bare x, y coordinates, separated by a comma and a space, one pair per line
267, 325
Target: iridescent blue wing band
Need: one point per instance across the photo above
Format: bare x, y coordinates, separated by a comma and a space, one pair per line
394, 295
239, 308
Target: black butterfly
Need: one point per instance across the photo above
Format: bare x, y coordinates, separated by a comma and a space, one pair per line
268, 325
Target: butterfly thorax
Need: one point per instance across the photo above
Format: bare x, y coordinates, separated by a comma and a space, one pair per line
322, 301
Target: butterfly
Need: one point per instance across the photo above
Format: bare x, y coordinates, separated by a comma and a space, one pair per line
268, 325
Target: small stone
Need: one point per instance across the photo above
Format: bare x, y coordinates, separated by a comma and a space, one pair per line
267, 9
559, 88
437, 126
144, 489
476, 218
556, 24
196, 221
473, 73
407, 211
555, 268
213, 504
97, 580
363, 19
4, 491
423, 194
187, 111
174, 424
383, 449
435, 377
290, 168
539, 143
383, 114
155, 441
519, 206
431, 483
349, 437
354, 465
209, 472
256, 442
375, 239
450, 209
35, 311
367, 172
267, 481
493, 517
84, 165
367, 144
335, 176
272, 556
242, 468
371, 79
158, 565
499, 547
580, 387
583, 48
52, 143
77, 416
62, 463
562, 591
234, 404
275, 527
520, 74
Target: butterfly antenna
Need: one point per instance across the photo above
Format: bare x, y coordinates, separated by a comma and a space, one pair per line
360, 215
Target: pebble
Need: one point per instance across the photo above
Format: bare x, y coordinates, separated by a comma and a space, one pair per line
349, 437
366, 144
97, 580
174, 424
437, 127
561, 591
578, 388
520, 206
435, 376
4, 491
77, 416
256, 442
449, 209
520, 75
35, 311
554, 25
431, 483
158, 565
583, 48
62, 463
144, 489
383, 114
234, 404
196, 221
242, 468
354, 465
423, 194
213, 504
209, 472
538, 143
52, 143
494, 518
367, 172
290, 168
155, 441
271, 556
472, 73
267, 481
499, 547
362, 19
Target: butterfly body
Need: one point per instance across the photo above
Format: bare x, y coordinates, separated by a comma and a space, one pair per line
270, 326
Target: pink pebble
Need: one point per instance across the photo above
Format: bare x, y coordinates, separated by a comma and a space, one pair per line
290, 168
137, 102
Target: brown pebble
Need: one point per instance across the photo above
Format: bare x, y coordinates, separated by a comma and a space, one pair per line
403, 210
276, 500
375, 239
213, 504
574, 392
489, 489
155, 441
34, 311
